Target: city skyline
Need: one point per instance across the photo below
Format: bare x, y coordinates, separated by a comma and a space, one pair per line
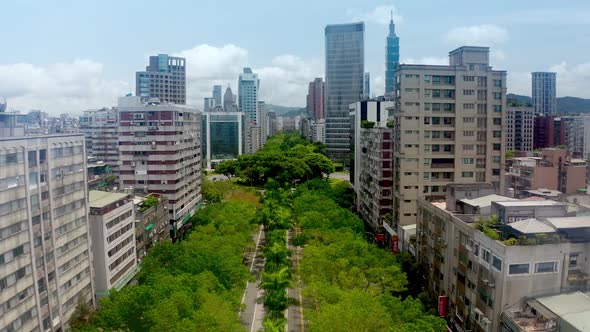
85, 68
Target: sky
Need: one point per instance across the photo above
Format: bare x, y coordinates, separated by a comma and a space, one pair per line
66, 56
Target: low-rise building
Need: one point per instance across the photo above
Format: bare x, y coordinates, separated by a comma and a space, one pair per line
482, 264
151, 222
112, 229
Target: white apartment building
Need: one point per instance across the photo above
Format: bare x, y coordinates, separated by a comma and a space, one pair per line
102, 139
448, 128
45, 265
318, 128
112, 228
160, 152
519, 128
577, 135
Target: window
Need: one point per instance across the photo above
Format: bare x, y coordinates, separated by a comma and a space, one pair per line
485, 255
426, 134
468, 92
426, 148
468, 133
468, 147
467, 174
427, 106
498, 95
476, 249
468, 119
497, 108
498, 121
515, 269
469, 106
426, 175
495, 171
468, 161
496, 159
426, 161
436, 93
496, 146
469, 78
497, 133
426, 120
497, 263
546, 267
498, 83
573, 260
427, 92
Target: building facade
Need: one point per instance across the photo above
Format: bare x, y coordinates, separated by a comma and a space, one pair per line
208, 104
223, 133
483, 273
391, 58
45, 265
217, 95
229, 100
112, 228
544, 93
548, 132
448, 128
151, 223
315, 99
367, 86
345, 66
160, 148
100, 127
519, 128
164, 78
248, 89
577, 135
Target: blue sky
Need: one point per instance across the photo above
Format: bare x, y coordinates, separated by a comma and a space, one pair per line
68, 56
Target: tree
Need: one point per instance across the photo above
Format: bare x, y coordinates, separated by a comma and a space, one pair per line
82, 314
228, 168
509, 154
149, 202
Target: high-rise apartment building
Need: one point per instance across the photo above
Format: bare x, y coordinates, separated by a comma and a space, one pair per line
448, 128
263, 122
544, 93
160, 146
100, 127
229, 100
519, 128
367, 86
45, 265
577, 135
345, 67
548, 132
217, 95
112, 228
164, 78
315, 99
391, 58
248, 89
208, 104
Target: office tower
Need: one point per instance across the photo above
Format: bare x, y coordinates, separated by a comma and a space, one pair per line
164, 78
160, 151
345, 66
391, 57
44, 234
448, 128
100, 127
248, 88
217, 95
112, 228
223, 133
229, 99
519, 128
208, 104
367, 86
315, 99
544, 93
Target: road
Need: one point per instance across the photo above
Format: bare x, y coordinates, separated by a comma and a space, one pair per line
252, 313
295, 319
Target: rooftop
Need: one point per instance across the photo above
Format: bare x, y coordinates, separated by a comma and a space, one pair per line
545, 192
531, 226
529, 203
573, 308
486, 200
570, 222
100, 199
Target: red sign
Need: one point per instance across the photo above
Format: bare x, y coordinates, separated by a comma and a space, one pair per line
380, 237
395, 244
442, 305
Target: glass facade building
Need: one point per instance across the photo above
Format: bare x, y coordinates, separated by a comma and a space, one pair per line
248, 87
544, 93
345, 68
391, 57
223, 136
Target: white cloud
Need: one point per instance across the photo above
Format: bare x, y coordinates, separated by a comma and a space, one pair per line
377, 85
483, 35
379, 15
66, 87
497, 55
429, 60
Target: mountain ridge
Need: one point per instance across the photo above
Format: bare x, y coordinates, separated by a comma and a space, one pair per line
565, 105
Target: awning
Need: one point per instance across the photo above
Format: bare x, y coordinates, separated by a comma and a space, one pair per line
149, 227
389, 229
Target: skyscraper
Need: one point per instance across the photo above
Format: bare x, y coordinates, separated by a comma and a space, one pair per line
544, 93
315, 99
164, 78
345, 67
229, 99
391, 57
217, 95
248, 87
208, 103
367, 86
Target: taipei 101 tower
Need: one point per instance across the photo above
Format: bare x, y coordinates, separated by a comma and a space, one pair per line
391, 57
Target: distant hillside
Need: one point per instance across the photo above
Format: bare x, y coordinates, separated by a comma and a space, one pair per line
286, 111
565, 105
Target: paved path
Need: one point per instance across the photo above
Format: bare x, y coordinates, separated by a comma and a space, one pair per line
295, 320
252, 314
